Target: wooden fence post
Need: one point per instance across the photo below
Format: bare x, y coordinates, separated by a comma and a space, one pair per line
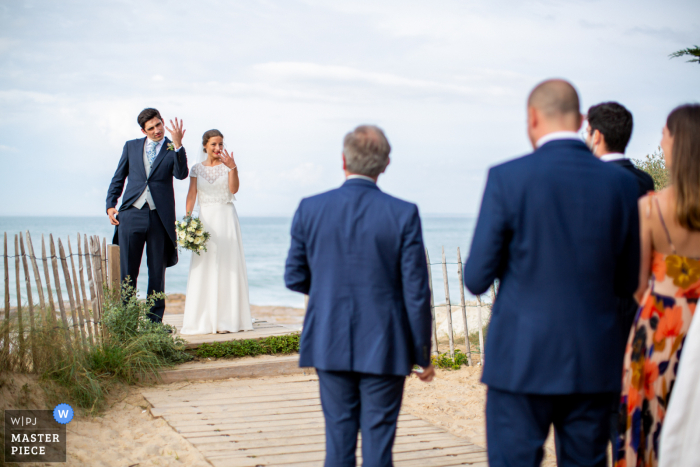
30, 301
20, 324
86, 304
463, 304
481, 331
6, 337
97, 272
434, 349
448, 305
92, 285
114, 268
59, 294
45, 260
37, 274
78, 306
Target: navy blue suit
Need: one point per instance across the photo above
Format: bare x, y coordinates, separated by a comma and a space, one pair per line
560, 230
358, 253
138, 227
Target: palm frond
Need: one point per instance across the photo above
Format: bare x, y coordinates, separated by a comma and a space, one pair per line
690, 51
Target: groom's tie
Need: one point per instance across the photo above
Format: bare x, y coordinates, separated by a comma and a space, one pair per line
151, 151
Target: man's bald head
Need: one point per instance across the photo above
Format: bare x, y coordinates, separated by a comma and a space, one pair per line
552, 106
555, 98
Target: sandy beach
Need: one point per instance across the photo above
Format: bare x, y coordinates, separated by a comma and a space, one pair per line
127, 435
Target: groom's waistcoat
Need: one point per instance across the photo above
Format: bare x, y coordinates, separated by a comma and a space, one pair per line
359, 254
166, 165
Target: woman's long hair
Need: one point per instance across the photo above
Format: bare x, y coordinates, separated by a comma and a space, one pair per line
684, 126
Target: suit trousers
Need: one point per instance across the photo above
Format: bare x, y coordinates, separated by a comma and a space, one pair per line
367, 402
139, 227
517, 426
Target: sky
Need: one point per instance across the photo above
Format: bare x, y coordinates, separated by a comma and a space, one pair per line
285, 80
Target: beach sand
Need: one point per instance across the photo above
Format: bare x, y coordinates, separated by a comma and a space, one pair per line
127, 435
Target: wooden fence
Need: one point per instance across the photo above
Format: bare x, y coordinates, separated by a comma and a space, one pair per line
462, 305
93, 266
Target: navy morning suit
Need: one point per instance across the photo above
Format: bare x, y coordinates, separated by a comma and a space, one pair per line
358, 253
153, 228
560, 230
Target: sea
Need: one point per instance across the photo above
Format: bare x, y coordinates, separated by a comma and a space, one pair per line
265, 241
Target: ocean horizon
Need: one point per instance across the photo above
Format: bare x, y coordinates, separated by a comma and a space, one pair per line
265, 242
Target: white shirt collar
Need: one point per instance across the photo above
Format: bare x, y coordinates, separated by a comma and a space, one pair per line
557, 135
612, 156
362, 177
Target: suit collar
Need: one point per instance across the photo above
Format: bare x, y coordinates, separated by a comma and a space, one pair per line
622, 162
360, 182
160, 156
572, 143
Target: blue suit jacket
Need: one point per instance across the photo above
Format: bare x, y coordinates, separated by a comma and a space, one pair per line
167, 164
358, 253
559, 229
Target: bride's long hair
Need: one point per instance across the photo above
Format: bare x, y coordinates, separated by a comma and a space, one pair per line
205, 139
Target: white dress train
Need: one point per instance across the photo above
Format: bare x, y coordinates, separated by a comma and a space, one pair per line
217, 287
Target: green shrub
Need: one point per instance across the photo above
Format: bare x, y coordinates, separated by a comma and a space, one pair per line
444, 361
250, 347
655, 165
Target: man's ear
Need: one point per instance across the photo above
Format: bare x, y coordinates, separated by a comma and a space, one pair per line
144, 132
532, 117
345, 164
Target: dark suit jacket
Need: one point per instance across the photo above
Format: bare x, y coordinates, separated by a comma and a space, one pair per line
560, 230
358, 253
644, 180
166, 165
627, 306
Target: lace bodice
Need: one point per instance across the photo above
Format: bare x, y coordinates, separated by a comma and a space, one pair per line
212, 184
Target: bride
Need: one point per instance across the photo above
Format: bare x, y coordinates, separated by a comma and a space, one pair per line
217, 287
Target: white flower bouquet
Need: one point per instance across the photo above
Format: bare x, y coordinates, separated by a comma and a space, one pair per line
191, 234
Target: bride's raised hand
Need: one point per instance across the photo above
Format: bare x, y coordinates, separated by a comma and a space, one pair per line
227, 159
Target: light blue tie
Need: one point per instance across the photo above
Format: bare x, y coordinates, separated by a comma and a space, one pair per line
151, 151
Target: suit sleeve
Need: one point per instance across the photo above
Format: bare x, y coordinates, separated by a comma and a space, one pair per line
297, 275
490, 239
117, 185
180, 170
627, 273
416, 290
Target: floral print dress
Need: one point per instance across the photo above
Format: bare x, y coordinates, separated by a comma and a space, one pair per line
652, 354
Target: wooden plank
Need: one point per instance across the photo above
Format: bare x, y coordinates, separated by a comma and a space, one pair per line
235, 400
434, 349
69, 289
20, 323
252, 411
233, 407
93, 294
159, 398
59, 294
283, 430
448, 305
78, 303
45, 260
6, 337
481, 331
97, 273
30, 301
198, 441
463, 305
114, 267
402, 443
90, 323
103, 256
37, 274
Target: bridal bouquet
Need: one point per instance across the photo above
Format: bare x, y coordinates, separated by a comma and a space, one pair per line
191, 234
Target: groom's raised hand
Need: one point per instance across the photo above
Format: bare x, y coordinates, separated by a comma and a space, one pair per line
176, 132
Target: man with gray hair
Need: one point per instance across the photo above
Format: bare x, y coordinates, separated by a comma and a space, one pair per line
358, 253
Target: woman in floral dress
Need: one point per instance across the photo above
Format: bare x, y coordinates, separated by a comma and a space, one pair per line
668, 293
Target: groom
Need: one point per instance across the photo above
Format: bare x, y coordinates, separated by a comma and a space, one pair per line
147, 213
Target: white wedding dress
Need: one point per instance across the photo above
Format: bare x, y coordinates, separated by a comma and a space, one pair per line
217, 287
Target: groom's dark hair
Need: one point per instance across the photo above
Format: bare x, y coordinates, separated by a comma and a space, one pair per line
614, 121
146, 115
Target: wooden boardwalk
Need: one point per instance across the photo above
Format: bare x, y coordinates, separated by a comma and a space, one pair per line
260, 329
278, 422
